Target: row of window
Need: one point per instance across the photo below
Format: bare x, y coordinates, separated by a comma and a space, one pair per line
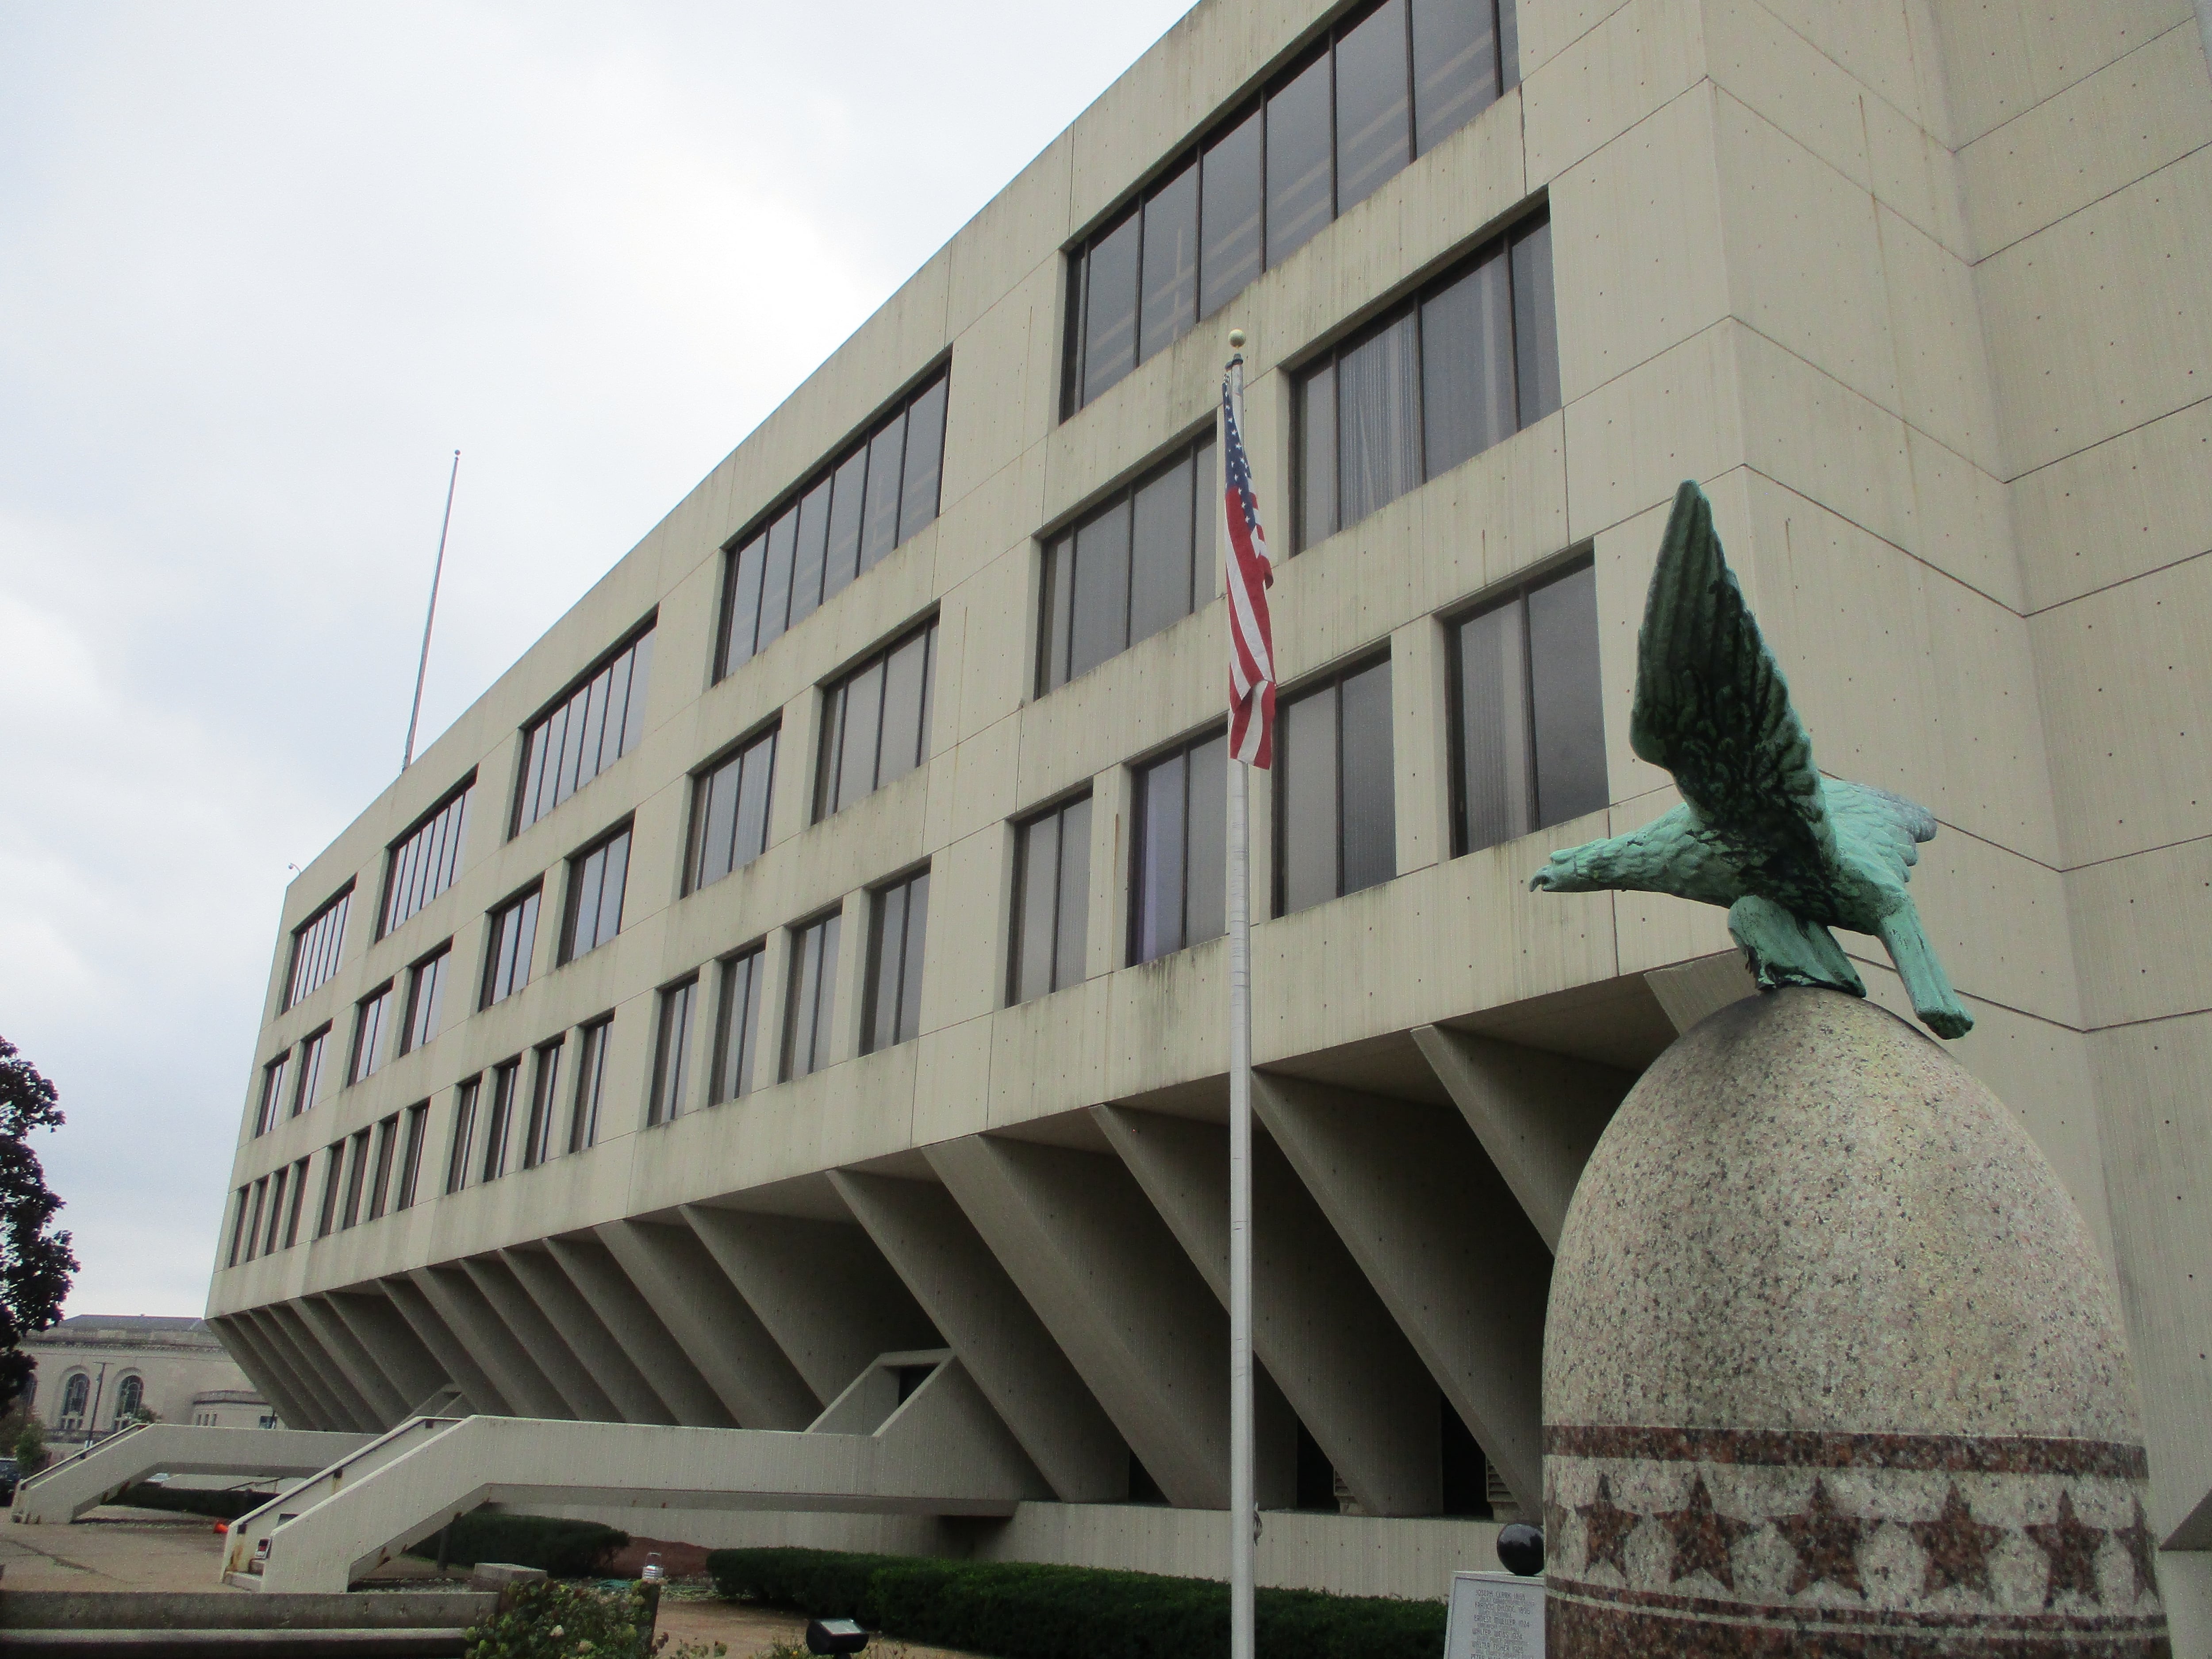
1527, 741
376, 1169
1385, 86
77, 1402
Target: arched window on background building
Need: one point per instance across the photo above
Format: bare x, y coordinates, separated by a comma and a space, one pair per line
130, 1394
76, 1394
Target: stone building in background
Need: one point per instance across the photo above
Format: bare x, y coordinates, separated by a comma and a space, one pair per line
809, 949
96, 1371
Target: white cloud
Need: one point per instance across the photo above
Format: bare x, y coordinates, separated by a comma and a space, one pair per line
264, 266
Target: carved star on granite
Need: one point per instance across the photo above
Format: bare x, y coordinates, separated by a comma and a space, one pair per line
1702, 1537
1606, 1527
2141, 1546
1958, 1546
1827, 1541
2070, 1545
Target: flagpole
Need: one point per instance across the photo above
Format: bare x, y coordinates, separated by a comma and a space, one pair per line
1243, 1513
437, 570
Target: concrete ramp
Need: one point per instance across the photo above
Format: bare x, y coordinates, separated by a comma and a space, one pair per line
911, 1435
106, 1468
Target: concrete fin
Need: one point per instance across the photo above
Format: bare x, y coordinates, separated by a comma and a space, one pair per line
712, 1322
587, 1336
547, 1348
391, 1341
1075, 1233
386, 1402
822, 1288
1318, 1326
245, 1345
1537, 1114
452, 1353
1444, 1241
1003, 1345
629, 1319
478, 1326
340, 1408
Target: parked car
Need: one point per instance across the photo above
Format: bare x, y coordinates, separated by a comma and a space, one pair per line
7, 1479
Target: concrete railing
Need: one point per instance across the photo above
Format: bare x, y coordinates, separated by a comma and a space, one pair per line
941, 1451
103, 1470
245, 1545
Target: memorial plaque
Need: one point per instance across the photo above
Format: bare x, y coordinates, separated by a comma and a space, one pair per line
1494, 1615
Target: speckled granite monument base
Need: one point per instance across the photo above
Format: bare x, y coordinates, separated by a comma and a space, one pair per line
1831, 1367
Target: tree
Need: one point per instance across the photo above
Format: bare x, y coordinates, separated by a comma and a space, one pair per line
31, 1448
35, 1262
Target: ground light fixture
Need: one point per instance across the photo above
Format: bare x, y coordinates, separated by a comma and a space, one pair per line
835, 1636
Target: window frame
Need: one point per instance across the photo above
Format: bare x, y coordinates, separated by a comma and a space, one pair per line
593, 1037
1320, 45
835, 697
514, 902
571, 897
538, 1146
752, 1022
1515, 594
324, 962
434, 968
307, 1075
362, 1060
274, 1075
1139, 768
1018, 909
911, 946
1332, 679
380, 1167
737, 753
462, 1139
499, 1125
859, 443
1412, 302
631, 639
675, 1003
417, 1135
831, 922
442, 862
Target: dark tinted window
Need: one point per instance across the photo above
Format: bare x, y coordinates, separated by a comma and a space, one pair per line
875, 727
273, 1092
838, 525
423, 862
315, 945
671, 1054
1177, 894
591, 1084
1336, 802
592, 728
1052, 901
1138, 563
371, 1015
1467, 362
1391, 82
737, 1025
380, 1179
313, 1053
898, 926
544, 1105
729, 811
507, 953
410, 1156
458, 1159
1529, 728
426, 986
596, 880
499, 1122
811, 1013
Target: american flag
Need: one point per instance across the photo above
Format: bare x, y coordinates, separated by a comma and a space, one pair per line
1251, 640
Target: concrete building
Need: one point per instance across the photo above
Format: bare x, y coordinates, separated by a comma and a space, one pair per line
96, 1371
808, 949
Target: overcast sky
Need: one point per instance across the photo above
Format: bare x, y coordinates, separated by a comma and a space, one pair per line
262, 268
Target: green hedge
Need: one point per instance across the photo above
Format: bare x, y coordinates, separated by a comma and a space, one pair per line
566, 1549
204, 1500
1019, 1611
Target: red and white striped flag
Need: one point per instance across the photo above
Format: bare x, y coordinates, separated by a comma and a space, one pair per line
1251, 639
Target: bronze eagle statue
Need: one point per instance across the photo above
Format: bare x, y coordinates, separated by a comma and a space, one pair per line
1788, 853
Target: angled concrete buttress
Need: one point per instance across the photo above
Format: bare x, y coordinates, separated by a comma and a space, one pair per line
476, 1387
658, 1357
386, 1402
333, 1410
1442, 1240
1537, 1114
1318, 1327
941, 1451
1079, 1236
564, 1307
391, 1342
712, 1322
58, 1495
315, 1349
822, 1289
478, 1328
1002, 1343
535, 1335
245, 1346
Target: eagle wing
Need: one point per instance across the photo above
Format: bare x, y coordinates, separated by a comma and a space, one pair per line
1889, 827
1712, 708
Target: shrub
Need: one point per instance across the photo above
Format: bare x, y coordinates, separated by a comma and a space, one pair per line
1019, 1610
222, 1505
564, 1548
549, 1620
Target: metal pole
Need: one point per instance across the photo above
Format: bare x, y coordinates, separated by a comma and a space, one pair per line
422, 666
1243, 1515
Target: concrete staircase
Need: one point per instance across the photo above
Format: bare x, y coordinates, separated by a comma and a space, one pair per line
106, 1468
185, 1625
912, 1434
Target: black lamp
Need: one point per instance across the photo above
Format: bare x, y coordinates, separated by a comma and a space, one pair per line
827, 1636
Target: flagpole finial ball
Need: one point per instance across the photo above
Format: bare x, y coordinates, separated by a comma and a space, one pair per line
1237, 340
